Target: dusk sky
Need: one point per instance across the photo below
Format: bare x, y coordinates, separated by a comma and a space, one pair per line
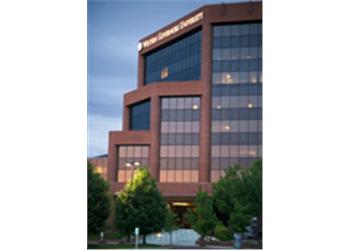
114, 29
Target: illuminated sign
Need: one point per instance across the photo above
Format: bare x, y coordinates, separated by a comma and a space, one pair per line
179, 26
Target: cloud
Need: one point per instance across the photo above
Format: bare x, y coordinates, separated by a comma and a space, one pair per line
98, 129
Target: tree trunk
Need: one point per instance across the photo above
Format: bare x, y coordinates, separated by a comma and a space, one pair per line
144, 239
201, 241
128, 238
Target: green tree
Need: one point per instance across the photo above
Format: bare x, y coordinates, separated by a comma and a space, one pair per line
202, 218
99, 202
140, 204
171, 223
238, 196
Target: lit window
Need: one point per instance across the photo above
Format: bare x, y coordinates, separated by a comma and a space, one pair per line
165, 73
250, 105
194, 106
227, 78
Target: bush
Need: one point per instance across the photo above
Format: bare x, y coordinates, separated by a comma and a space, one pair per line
222, 232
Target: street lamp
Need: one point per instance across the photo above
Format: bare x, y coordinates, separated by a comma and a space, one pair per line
132, 165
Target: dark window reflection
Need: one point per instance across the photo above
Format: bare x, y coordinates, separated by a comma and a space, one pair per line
178, 61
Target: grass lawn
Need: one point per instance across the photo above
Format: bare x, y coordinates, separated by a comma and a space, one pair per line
118, 246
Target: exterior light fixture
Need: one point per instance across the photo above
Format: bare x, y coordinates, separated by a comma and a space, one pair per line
250, 105
227, 127
181, 204
218, 106
195, 106
132, 165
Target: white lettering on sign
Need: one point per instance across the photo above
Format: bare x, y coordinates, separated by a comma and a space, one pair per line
179, 26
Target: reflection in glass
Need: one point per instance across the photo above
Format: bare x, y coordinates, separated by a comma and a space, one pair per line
236, 96
128, 155
180, 140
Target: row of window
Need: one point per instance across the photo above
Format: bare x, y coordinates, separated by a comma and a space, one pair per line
124, 163
133, 151
181, 103
188, 56
237, 53
237, 29
237, 65
166, 75
236, 126
180, 115
237, 114
177, 66
179, 61
219, 102
174, 47
243, 138
237, 41
180, 127
180, 139
224, 163
179, 163
178, 176
236, 89
179, 151
140, 116
235, 151
247, 77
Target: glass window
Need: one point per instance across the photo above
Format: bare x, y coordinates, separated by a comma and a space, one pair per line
140, 116
178, 61
236, 96
130, 154
180, 139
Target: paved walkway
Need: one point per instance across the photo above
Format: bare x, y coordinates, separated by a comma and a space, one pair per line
181, 237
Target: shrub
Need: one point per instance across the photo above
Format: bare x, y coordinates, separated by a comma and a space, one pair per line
222, 232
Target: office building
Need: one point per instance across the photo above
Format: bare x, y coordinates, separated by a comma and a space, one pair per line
197, 108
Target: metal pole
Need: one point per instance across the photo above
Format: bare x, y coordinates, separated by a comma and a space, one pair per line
136, 241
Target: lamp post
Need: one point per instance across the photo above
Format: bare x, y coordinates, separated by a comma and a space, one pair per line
132, 165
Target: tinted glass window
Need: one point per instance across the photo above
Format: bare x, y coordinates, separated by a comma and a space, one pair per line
236, 96
140, 116
178, 61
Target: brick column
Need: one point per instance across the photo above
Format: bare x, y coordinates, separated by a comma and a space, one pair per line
112, 160
140, 71
126, 117
205, 126
155, 130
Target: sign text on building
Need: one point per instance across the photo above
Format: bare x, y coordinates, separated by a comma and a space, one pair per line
179, 26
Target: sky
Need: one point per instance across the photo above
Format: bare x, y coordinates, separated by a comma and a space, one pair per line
114, 29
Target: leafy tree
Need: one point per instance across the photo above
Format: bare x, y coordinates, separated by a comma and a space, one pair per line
99, 202
238, 196
171, 223
222, 232
141, 205
202, 218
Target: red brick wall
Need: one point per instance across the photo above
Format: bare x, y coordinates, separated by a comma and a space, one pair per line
220, 13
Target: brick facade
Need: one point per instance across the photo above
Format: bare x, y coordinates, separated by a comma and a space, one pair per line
212, 14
